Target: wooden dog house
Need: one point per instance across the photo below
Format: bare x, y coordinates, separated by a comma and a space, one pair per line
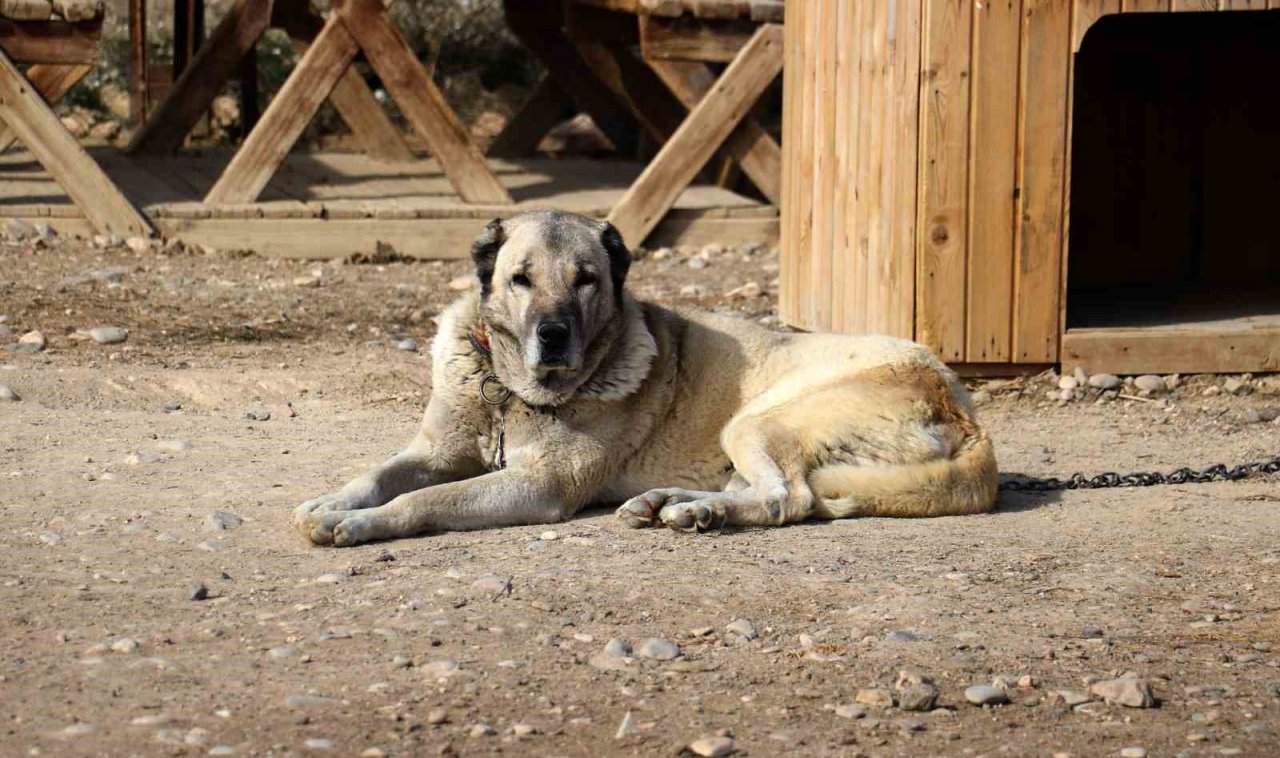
1084, 182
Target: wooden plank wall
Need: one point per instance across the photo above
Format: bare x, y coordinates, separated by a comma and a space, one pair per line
849, 179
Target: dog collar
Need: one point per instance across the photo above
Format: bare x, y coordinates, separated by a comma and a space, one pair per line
480, 339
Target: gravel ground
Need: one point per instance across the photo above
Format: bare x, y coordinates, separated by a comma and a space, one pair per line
157, 602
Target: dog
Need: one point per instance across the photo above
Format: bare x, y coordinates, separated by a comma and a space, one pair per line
554, 389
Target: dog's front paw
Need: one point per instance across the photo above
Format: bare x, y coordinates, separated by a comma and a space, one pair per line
353, 530
698, 516
334, 502
640, 511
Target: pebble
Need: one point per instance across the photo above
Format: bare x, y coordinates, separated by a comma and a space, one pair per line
108, 335
482, 730
318, 743
490, 583
659, 650
224, 521
1127, 691
697, 264
7, 393
1150, 383
618, 648
284, 651
20, 229
1104, 381
742, 628
258, 415
173, 406
300, 701
693, 290
919, 697
437, 716
384, 556
523, 730
661, 254
1068, 382
850, 711
197, 591
981, 694
125, 645
549, 536
877, 697
1133, 752
407, 345
1251, 416
1236, 386
440, 669
222, 750
901, 635
329, 579
712, 747
626, 728
51, 538
34, 339
401, 662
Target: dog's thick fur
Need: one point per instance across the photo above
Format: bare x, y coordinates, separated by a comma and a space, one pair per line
694, 420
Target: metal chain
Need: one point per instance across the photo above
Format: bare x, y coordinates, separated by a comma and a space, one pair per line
1216, 473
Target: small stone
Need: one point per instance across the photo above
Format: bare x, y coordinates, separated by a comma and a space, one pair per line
329, 579
742, 628
1104, 381
138, 244
1256, 415
258, 415
482, 730
384, 556
693, 290
549, 536
901, 635
626, 728
1069, 698
1127, 691
34, 339
440, 669
523, 730
173, 406
1068, 382
1092, 631
1150, 383
920, 697
1133, 752
373, 752
1234, 385
659, 650
284, 651
618, 648
20, 229
318, 743
51, 538
7, 393
981, 694
222, 750
661, 254
407, 345
494, 584
224, 521
125, 645
301, 701
911, 678
878, 697
197, 591
401, 662
850, 711
108, 335
437, 716
307, 281
712, 747
78, 729
697, 264
748, 291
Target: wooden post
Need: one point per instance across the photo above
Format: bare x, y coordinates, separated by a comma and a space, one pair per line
697, 139
546, 107
138, 61
36, 125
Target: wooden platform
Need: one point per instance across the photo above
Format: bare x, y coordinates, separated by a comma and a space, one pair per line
331, 204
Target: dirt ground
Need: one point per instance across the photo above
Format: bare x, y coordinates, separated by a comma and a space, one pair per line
130, 471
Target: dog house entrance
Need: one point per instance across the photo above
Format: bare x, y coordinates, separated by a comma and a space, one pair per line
1174, 225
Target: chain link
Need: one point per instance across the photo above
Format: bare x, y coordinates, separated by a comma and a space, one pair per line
1215, 473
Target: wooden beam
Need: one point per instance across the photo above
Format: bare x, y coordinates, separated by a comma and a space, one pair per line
697, 139
36, 125
136, 72
537, 24
1200, 350
692, 39
750, 145
546, 107
635, 85
371, 128
51, 41
421, 102
204, 78
288, 115
52, 81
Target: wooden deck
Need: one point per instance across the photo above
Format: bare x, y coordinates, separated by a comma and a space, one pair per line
331, 204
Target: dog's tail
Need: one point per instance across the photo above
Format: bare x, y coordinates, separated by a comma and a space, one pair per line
963, 483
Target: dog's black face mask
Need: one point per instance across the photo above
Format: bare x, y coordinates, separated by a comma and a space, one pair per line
551, 287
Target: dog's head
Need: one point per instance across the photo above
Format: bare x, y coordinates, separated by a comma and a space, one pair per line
551, 294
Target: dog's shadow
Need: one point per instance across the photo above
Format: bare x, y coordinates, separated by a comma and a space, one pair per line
1017, 501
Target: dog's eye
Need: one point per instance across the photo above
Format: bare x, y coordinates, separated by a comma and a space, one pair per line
520, 280
584, 279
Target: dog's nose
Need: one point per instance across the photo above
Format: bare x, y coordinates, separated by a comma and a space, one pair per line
553, 336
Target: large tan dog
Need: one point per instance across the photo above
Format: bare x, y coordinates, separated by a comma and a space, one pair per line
552, 389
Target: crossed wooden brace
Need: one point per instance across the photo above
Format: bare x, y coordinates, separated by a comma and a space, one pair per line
323, 72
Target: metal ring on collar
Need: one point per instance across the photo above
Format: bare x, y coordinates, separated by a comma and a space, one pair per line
503, 396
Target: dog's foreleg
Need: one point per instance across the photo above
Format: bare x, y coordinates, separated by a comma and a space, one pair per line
502, 498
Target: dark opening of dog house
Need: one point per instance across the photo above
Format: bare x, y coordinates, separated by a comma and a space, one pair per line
1175, 175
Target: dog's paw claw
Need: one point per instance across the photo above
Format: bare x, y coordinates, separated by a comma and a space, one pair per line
638, 512
693, 517
350, 531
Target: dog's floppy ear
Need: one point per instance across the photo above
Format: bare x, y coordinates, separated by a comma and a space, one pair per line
619, 257
484, 252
